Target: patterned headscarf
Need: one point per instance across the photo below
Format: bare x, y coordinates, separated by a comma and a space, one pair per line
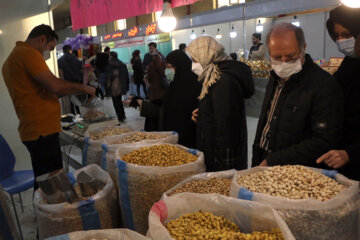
207, 51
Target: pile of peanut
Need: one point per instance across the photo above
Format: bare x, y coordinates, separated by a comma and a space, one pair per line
159, 156
110, 131
205, 225
211, 185
139, 136
292, 181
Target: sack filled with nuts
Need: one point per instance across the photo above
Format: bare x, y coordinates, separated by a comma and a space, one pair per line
197, 216
107, 234
316, 204
100, 211
205, 183
146, 172
8, 229
94, 138
112, 143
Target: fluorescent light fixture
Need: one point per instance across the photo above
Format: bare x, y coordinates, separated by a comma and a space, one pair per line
193, 35
296, 21
218, 35
259, 27
351, 3
1, 32
242, 1
167, 20
233, 32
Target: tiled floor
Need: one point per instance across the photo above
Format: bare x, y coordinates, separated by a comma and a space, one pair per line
28, 220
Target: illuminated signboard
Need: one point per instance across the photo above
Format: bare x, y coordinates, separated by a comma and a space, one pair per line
150, 29
133, 32
107, 37
117, 35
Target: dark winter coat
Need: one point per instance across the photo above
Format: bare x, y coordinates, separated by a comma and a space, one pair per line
307, 120
155, 76
71, 67
138, 71
221, 126
117, 81
349, 77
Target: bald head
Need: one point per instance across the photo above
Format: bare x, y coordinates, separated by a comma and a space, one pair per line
284, 30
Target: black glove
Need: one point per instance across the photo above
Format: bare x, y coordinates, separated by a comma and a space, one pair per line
134, 103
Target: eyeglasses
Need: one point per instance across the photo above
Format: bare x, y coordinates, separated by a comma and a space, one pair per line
277, 60
342, 35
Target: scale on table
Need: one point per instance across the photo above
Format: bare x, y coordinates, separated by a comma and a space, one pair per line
80, 128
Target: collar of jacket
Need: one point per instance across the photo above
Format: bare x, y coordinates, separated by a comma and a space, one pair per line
296, 77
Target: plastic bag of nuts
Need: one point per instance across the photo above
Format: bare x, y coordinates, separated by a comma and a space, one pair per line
141, 186
8, 229
94, 138
108, 234
334, 216
112, 143
205, 183
100, 211
248, 216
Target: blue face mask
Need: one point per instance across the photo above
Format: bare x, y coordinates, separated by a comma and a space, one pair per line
347, 46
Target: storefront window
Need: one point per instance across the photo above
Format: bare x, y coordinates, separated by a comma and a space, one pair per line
223, 3
120, 24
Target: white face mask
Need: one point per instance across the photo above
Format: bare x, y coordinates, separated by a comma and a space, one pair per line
197, 68
347, 46
46, 54
284, 69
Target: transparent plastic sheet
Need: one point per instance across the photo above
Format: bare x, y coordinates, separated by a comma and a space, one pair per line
108, 234
337, 218
98, 212
248, 216
92, 151
110, 146
93, 111
8, 229
141, 186
229, 174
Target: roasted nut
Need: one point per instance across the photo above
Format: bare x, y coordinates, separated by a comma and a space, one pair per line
110, 131
211, 185
139, 136
205, 225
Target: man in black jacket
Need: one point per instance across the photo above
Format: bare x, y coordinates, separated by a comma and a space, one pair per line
302, 112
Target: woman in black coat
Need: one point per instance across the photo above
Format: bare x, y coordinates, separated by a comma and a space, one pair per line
344, 28
138, 72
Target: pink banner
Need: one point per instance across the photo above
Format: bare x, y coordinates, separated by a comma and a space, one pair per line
85, 13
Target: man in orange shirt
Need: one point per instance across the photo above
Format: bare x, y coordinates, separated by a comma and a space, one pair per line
35, 90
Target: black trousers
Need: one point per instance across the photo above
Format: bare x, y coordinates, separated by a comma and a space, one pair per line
45, 155
144, 88
119, 107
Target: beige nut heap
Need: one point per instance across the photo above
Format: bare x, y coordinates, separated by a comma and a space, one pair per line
139, 136
211, 185
159, 156
295, 182
205, 225
110, 131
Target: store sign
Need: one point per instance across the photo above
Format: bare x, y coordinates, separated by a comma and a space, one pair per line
159, 38
113, 36
136, 41
133, 32
150, 29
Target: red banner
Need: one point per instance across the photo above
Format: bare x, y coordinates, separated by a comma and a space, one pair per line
85, 13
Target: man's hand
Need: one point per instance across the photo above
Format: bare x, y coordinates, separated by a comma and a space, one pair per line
195, 115
91, 91
334, 158
264, 163
357, 46
139, 101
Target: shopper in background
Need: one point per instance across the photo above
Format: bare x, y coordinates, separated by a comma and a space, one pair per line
302, 112
72, 71
233, 56
107, 50
221, 120
117, 84
138, 73
35, 90
149, 56
257, 51
182, 47
155, 77
101, 62
344, 28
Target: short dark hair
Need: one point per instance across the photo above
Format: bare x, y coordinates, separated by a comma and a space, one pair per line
182, 46
43, 30
288, 27
233, 56
114, 54
152, 44
66, 48
107, 49
257, 35
136, 53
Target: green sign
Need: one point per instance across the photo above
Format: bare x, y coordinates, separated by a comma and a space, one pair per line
159, 38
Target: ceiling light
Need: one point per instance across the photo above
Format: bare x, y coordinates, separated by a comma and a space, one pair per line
351, 3
259, 27
193, 35
1, 32
296, 21
167, 20
218, 35
233, 33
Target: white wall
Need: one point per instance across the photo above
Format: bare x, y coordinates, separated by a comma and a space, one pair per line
17, 18
319, 44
